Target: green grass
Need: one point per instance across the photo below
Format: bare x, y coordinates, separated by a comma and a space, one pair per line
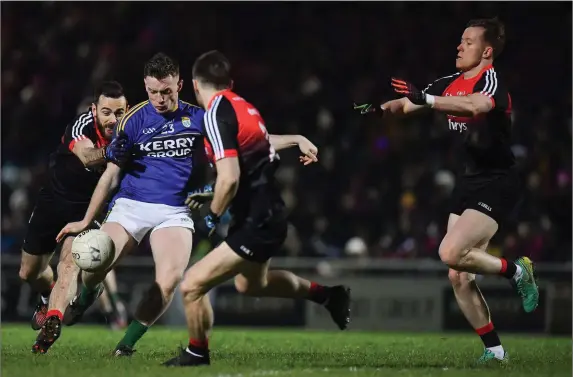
85, 352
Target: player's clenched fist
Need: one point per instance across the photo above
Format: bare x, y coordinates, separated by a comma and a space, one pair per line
72, 228
119, 150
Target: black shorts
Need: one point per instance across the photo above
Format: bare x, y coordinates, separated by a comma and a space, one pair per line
49, 216
260, 232
496, 195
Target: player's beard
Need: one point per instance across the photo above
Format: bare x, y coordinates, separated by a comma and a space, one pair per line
105, 131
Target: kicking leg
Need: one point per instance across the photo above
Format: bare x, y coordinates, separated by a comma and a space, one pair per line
36, 271
66, 286
458, 250
171, 248
260, 282
63, 291
92, 285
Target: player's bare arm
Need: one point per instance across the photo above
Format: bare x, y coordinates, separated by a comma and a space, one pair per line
401, 106
307, 148
226, 185
106, 184
88, 154
470, 105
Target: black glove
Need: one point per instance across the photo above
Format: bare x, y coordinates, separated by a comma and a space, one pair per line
208, 224
367, 108
197, 198
417, 97
118, 151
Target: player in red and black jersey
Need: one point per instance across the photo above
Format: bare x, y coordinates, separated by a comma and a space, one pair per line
74, 170
478, 108
240, 148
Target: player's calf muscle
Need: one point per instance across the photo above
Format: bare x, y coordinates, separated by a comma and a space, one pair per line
65, 287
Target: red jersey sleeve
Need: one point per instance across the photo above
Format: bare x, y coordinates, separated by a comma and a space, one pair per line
221, 128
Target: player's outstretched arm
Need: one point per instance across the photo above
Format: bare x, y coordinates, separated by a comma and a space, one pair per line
307, 148
88, 154
106, 184
470, 105
400, 106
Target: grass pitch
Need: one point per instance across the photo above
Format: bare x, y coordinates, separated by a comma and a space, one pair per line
85, 352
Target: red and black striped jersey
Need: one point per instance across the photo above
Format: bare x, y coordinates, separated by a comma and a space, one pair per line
69, 178
486, 138
235, 128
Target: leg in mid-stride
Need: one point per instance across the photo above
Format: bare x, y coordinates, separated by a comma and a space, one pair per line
252, 277
458, 250
36, 271
474, 307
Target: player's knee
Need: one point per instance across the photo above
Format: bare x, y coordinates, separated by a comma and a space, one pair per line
449, 253
248, 287
29, 272
169, 280
191, 286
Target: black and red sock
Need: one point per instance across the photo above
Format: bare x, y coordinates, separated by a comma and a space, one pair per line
199, 348
318, 293
508, 269
489, 336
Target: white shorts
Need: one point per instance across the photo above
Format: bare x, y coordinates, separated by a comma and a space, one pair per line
138, 218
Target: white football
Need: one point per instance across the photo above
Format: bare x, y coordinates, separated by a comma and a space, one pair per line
93, 250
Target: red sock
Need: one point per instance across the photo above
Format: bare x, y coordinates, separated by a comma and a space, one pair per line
204, 344
483, 330
198, 348
503, 266
55, 312
508, 269
318, 293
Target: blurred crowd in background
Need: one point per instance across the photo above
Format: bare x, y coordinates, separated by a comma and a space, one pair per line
381, 188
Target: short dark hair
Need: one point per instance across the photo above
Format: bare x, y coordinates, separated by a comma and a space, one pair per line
213, 68
161, 66
494, 33
110, 89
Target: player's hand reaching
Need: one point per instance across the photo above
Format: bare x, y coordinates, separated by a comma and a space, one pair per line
119, 150
196, 199
309, 151
366, 108
72, 228
417, 97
